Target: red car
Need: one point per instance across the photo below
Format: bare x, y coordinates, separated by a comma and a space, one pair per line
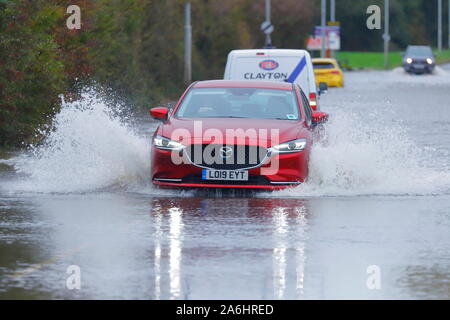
235, 134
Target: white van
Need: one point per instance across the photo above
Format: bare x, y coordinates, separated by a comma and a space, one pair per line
289, 65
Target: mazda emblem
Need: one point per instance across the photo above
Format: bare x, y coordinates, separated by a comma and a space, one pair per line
226, 152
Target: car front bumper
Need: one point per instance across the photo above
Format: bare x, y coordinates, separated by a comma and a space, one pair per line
418, 68
291, 169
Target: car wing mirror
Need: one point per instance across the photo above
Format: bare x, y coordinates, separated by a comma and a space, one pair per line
159, 113
323, 88
319, 117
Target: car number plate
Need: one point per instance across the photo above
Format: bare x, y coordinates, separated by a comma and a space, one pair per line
419, 66
229, 175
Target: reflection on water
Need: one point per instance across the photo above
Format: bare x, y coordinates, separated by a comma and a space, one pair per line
279, 252
427, 282
175, 238
301, 222
219, 228
176, 227
223, 248
281, 230
158, 236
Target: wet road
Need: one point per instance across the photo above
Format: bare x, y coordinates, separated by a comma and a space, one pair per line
378, 199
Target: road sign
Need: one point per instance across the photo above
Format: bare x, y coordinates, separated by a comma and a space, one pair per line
332, 42
267, 27
333, 23
332, 38
314, 43
328, 29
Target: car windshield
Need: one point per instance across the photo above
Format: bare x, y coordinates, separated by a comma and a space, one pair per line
239, 103
419, 51
323, 65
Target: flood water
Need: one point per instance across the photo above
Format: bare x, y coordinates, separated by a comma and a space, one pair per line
378, 198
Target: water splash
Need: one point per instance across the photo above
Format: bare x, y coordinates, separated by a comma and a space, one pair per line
89, 147
438, 72
370, 157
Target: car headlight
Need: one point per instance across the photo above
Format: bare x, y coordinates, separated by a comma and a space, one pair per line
429, 60
167, 144
409, 60
290, 146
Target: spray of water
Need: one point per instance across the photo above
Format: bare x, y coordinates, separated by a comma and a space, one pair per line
437, 74
370, 157
89, 147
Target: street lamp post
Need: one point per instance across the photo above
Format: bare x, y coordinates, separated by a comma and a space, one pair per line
333, 17
268, 38
322, 29
439, 35
333, 10
386, 36
187, 44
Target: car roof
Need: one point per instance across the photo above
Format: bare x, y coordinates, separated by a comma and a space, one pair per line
272, 52
278, 85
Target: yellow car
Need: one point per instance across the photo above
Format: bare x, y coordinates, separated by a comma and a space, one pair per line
328, 71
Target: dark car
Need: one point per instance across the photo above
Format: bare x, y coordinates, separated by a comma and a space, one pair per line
419, 59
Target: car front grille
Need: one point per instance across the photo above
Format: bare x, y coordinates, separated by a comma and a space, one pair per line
226, 157
419, 61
